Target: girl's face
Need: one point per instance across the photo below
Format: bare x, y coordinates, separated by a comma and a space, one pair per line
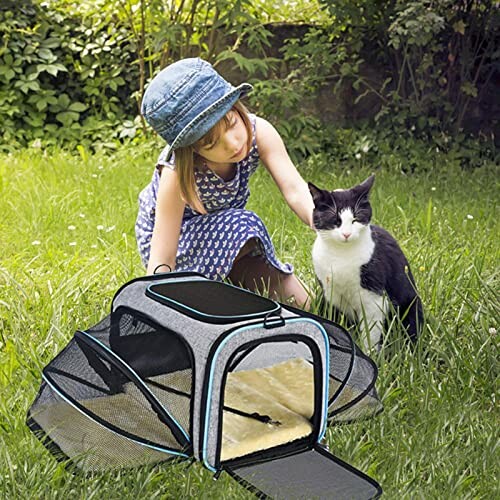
231, 145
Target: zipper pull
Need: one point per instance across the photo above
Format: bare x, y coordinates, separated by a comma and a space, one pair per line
265, 419
324, 443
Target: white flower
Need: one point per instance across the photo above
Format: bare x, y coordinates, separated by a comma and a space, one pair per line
36, 242
365, 148
94, 176
492, 330
100, 227
470, 217
72, 244
358, 156
71, 228
100, 167
93, 246
111, 228
433, 188
82, 216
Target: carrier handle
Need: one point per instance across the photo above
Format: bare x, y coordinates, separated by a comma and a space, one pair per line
161, 265
269, 322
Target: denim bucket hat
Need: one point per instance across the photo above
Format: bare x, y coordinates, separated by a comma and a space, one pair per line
185, 100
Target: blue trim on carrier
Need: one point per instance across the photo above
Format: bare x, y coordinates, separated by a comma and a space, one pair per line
253, 327
140, 381
67, 400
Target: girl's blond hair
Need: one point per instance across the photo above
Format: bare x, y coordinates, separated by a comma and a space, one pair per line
185, 157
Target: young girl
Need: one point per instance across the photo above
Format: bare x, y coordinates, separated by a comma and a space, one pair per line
192, 215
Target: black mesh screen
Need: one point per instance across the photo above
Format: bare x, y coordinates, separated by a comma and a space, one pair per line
212, 301
133, 381
69, 433
352, 393
315, 474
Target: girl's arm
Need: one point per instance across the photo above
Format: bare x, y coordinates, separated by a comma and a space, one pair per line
168, 220
273, 154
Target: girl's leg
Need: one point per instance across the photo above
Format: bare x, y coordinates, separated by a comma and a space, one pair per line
254, 273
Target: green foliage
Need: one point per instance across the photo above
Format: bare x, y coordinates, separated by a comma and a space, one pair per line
73, 72
55, 82
409, 153
76, 72
286, 95
440, 58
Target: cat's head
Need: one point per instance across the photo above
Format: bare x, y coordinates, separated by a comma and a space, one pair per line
342, 216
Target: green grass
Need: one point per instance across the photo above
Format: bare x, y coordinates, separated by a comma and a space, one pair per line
67, 243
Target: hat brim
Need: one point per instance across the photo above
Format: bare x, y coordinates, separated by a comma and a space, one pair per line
202, 123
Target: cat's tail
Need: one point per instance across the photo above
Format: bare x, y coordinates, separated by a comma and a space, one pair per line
413, 319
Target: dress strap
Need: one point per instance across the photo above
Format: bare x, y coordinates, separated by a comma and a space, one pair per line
163, 162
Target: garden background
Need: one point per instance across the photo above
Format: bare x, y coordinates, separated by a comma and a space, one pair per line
408, 90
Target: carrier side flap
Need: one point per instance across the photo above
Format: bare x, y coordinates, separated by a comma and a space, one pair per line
314, 473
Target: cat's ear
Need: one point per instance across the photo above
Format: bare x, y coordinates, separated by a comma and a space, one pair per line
365, 187
316, 193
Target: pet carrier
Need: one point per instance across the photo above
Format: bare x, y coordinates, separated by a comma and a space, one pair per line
189, 367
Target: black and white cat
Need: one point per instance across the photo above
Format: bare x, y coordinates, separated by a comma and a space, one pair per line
360, 266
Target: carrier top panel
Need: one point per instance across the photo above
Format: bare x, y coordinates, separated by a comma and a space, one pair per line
211, 301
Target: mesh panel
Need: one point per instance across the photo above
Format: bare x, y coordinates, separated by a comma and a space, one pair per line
269, 398
80, 371
156, 354
154, 409
90, 445
315, 474
352, 393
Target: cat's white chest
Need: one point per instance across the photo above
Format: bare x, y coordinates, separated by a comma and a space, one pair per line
338, 267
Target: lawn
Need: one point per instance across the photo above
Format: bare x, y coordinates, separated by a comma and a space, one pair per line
67, 243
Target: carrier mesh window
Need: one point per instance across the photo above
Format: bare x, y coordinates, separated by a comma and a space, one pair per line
352, 393
119, 406
269, 398
159, 357
90, 446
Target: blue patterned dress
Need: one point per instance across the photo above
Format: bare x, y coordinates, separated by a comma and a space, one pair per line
210, 243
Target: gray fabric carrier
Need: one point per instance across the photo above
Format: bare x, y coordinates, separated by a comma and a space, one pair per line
186, 367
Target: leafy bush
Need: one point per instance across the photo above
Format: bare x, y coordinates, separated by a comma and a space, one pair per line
77, 72
55, 82
439, 58
427, 68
